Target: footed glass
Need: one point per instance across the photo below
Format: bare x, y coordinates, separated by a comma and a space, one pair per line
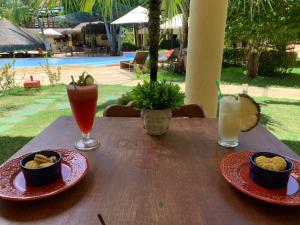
83, 101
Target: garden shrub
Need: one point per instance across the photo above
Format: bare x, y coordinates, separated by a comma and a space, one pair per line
140, 69
7, 77
125, 98
275, 62
157, 95
234, 57
128, 46
53, 76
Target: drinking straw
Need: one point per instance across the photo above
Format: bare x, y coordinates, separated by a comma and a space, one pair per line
73, 81
218, 86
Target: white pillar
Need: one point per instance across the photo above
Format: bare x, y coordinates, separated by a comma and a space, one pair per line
205, 48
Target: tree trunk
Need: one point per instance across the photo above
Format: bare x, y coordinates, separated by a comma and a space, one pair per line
252, 64
111, 36
184, 34
154, 33
135, 33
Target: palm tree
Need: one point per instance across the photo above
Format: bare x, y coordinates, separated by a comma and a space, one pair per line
16, 11
154, 34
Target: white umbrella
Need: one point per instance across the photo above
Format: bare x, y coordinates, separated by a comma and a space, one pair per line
51, 32
137, 15
173, 23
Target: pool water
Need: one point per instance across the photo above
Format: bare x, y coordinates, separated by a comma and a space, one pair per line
76, 61
86, 61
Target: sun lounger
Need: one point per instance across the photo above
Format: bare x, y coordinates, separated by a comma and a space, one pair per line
139, 59
169, 56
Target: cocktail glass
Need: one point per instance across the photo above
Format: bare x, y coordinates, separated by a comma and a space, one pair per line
83, 101
229, 121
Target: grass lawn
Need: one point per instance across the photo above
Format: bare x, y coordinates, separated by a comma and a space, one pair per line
280, 116
164, 75
237, 76
23, 131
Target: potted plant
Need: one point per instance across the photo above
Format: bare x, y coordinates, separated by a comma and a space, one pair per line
156, 101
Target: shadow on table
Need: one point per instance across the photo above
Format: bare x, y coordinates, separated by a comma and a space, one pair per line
40, 210
9, 145
36, 210
266, 120
246, 207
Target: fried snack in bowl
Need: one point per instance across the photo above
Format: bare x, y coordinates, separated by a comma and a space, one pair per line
276, 163
270, 170
41, 168
32, 164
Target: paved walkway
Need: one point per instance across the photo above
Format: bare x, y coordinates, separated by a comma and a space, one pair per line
115, 75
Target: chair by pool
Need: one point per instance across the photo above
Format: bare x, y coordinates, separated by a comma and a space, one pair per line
139, 59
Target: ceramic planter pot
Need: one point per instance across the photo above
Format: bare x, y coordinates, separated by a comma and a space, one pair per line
156, 122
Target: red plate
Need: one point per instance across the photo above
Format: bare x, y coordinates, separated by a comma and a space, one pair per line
236, 168
13, 186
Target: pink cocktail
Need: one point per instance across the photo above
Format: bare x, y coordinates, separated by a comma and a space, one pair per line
83, 101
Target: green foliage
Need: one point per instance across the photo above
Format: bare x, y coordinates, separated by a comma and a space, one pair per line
53, 75
262, 23
125, 98
128, 46
140, 69
233, 57
7, 77
276, 62
157, 95
18, 12
169, 44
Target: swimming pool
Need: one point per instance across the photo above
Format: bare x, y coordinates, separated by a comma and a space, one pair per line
86, 61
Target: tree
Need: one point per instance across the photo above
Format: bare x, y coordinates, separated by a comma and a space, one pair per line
262, 24
154, 34
16, 11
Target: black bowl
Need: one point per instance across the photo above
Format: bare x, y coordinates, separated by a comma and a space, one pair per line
269, 178
42, 176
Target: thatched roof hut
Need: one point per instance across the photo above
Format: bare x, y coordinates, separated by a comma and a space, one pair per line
96, 27
13, 38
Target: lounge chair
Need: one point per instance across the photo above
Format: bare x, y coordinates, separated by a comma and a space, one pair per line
139, 59
169, 57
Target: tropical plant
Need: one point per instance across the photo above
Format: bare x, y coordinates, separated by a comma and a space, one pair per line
53, 75
125, 98
7, 77
157, 95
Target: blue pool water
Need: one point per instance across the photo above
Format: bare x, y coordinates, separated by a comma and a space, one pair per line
88, 61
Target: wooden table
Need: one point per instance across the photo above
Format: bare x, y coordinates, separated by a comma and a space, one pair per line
136, 179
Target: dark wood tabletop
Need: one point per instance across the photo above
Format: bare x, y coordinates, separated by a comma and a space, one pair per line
136, 179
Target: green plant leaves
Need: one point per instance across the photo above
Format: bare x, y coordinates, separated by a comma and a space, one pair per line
157, 95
